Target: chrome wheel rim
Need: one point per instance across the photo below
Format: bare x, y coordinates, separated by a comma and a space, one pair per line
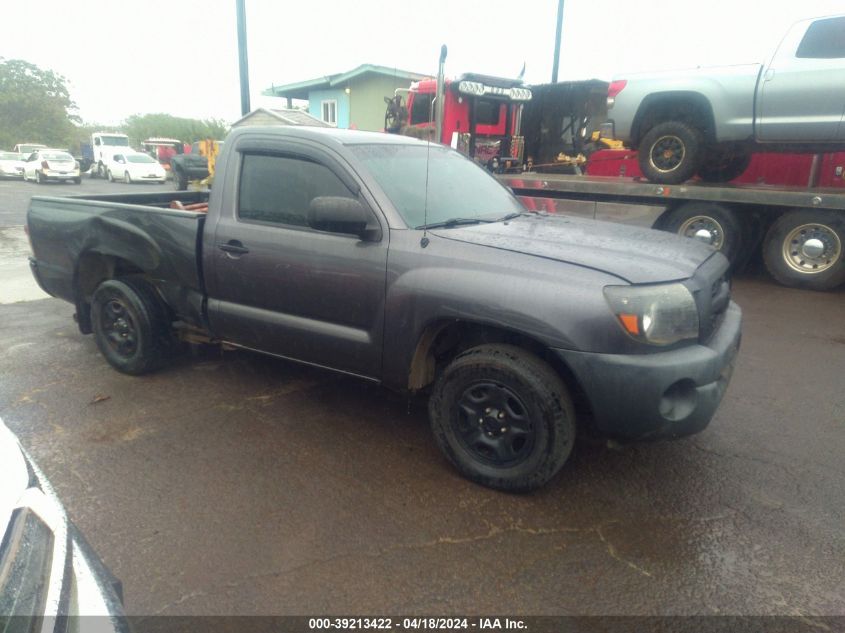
667, 153
812, 248
704, 229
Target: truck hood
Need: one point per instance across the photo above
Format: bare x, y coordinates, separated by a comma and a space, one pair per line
635, 255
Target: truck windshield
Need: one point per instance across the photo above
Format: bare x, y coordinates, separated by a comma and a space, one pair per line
116, 141
457, 187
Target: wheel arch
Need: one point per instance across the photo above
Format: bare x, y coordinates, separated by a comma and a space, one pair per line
443, 340
93, 268
684, 105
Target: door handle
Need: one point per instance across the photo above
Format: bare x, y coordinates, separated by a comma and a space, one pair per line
233, 247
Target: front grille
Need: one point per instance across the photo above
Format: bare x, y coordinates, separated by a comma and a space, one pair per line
712, 290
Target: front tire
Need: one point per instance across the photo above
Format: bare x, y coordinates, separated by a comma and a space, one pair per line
127, 178
805, 248
503, 417
131, 325
39, 179
670, 152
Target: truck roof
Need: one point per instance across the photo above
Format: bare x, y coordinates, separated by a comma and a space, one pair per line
343, 137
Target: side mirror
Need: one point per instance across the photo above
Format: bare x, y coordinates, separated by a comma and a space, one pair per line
335, 214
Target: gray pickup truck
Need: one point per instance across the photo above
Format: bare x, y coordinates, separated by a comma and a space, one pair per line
408, 265
708, 121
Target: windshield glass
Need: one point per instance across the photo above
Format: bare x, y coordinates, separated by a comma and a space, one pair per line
140, 158
116, 141
9, 156
457, 187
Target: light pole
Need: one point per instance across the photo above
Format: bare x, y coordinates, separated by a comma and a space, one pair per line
243, 63
557, 40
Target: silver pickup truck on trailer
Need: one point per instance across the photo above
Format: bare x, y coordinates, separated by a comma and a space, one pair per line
708, 121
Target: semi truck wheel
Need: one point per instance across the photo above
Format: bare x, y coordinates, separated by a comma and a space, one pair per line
670, 152
711, 223
131, 325
502, 417
101, 170
805, 248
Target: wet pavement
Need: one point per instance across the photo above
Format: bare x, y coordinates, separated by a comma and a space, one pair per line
236, 484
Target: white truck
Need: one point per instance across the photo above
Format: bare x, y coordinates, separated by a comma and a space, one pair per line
708, 121
104, 145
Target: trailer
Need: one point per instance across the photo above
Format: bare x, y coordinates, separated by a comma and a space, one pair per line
799, 231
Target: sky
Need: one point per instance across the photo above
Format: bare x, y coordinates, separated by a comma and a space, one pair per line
180, 57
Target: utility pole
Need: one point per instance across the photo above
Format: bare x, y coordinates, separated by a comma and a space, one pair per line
243, 63
557, 40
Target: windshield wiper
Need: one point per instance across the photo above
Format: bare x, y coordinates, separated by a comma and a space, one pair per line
510, 216
447, 224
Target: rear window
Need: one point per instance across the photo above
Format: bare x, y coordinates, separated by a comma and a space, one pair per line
140, 158
56, 156
825, 39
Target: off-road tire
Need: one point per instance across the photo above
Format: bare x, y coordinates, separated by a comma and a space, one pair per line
150, 323
547, 407
724, 166
690, 144
777, 252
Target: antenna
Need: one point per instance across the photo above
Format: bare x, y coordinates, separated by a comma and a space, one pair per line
438, 130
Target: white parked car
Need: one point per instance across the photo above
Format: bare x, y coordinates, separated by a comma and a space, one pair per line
135, 167
51, 164
11, 165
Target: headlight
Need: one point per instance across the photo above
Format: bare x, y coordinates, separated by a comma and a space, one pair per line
661, 314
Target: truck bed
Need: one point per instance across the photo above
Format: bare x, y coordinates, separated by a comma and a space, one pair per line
77, 240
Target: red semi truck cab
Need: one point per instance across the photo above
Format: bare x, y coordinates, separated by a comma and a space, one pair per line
482, 116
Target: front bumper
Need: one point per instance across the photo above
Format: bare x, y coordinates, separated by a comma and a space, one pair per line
667, 394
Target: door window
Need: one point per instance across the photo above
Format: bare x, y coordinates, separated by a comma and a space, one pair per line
279, 189
824, 39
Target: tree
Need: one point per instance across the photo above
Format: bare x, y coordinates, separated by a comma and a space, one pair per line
143, 126
35, 105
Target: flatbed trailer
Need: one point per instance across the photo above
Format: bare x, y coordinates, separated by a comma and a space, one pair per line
800, 231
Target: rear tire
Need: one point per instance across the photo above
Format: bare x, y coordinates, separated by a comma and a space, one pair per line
670, 152
805, 248
724, 165
131, 325
723, 230
502, 417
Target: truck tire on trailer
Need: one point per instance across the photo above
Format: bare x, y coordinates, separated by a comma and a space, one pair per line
725, 165
670, 152
502, 417
712, 223
131, 325
805, 248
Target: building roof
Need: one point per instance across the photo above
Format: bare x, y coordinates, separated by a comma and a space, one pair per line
286, 117
300, 90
